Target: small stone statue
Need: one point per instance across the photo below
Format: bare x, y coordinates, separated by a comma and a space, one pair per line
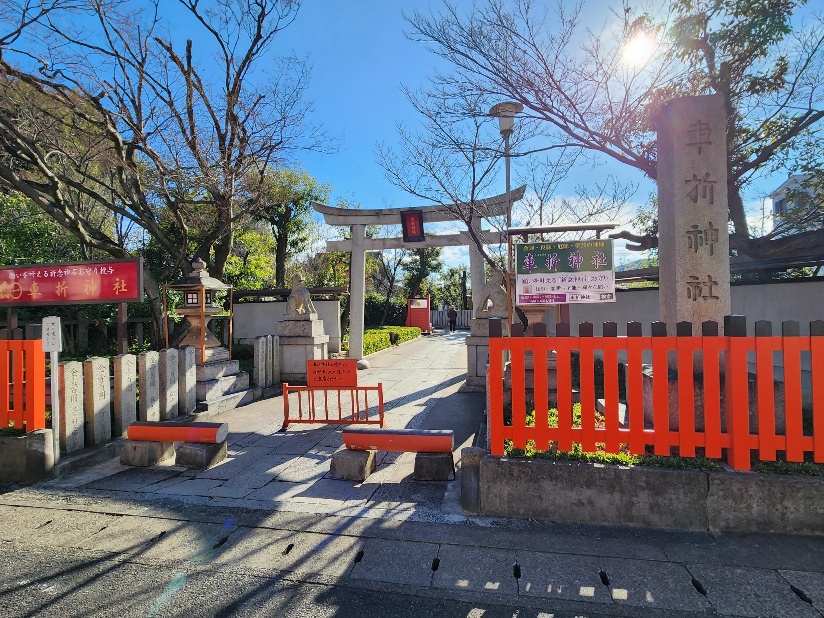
299, 301
493, 290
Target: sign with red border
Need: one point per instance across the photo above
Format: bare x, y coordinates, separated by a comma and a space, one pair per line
332, 373
111, 281
412, 224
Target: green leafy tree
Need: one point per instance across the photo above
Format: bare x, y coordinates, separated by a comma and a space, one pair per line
28, 236
419, 265
284, 200
448, 288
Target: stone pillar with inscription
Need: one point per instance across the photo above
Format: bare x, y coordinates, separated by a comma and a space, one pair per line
693, 236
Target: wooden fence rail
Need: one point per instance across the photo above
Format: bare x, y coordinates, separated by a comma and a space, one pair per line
23, 384
741, 412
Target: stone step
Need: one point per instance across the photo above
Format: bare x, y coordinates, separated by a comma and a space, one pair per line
212, 389
217, 369
213, 407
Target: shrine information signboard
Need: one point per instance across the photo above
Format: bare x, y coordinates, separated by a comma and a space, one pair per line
332, 373
557, 273
112, 281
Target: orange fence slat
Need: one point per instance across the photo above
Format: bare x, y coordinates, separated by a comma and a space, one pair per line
764, 347
587, 365
817, 360
686, 347
611, 438
539, 345
635, 393
737, 402
563, 367
792, 397
495, 394
711, 366
517, 345
660, 395
18, 382
332, 417
35, 385
5, 380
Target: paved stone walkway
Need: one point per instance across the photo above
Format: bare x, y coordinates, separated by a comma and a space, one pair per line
273, 512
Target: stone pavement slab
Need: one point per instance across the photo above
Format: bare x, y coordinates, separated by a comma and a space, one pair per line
66, 529
646, 583
740, 591
399, 562
811, 584
128, 535
479, 569
191, 487
561, 576
186, 541
310, 466
413, 495
21, 523
133, 479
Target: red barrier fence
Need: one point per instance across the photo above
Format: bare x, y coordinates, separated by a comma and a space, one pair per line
22, 384
722, 374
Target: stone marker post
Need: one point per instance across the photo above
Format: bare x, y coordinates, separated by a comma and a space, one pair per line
270, 369
97, 400
70, 379
693, 237
149, 384
167, 368
259, 369
125, 392
186, 379
275, 359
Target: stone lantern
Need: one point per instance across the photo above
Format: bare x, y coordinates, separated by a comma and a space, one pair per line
198, 291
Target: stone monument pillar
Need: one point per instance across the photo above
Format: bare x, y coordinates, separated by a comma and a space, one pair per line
301, 333
693, 236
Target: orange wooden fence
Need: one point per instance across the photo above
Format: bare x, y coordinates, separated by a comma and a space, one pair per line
22, 384
724, 364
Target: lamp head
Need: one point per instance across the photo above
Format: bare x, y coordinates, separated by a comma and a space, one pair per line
506, 113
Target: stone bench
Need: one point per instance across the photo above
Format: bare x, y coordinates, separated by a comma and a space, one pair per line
201, 445
432, 448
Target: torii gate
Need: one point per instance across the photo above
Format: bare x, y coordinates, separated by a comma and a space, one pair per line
359, 244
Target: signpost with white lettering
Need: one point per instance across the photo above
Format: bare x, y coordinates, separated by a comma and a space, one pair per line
53, 343
556, 273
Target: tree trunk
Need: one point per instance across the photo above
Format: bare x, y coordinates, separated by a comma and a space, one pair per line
152, 290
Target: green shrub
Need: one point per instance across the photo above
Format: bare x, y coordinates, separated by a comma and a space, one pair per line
377, 339
374, 305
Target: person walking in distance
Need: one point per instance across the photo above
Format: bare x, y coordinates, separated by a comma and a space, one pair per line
453, 318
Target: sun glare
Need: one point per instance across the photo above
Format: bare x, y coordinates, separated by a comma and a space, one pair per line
639, 49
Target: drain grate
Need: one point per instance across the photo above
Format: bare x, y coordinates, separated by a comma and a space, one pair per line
801, 594
699, 586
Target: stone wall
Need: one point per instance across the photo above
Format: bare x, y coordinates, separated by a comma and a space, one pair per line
261, 318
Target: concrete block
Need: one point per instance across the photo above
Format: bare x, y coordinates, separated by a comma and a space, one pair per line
752, 502
144, 454
594, 493
28, 458
149, 385
167, 362
70, 380
353, 465
434, 467
125, 392
471, 478
200, 456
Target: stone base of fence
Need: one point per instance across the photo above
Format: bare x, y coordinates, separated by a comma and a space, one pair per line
647, 497
28, 458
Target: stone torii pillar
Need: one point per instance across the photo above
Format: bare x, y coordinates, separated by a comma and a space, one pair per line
357, 292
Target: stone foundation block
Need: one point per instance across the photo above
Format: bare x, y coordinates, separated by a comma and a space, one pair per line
471, 478
144, 454
353, 465
434, 467
200, 456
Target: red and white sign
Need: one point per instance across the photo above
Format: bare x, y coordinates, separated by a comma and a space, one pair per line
113, 281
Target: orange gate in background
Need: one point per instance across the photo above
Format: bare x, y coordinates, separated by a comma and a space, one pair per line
22, 384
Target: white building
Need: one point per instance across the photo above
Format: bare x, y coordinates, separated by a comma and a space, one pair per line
783, 200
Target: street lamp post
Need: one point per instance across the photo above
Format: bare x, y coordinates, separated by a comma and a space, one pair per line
505, 112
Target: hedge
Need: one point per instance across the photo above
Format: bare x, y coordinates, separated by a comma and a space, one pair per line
377, 339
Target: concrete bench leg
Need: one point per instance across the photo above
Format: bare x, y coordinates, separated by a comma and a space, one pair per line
352, 465
144, 454
200, 456
434, 467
